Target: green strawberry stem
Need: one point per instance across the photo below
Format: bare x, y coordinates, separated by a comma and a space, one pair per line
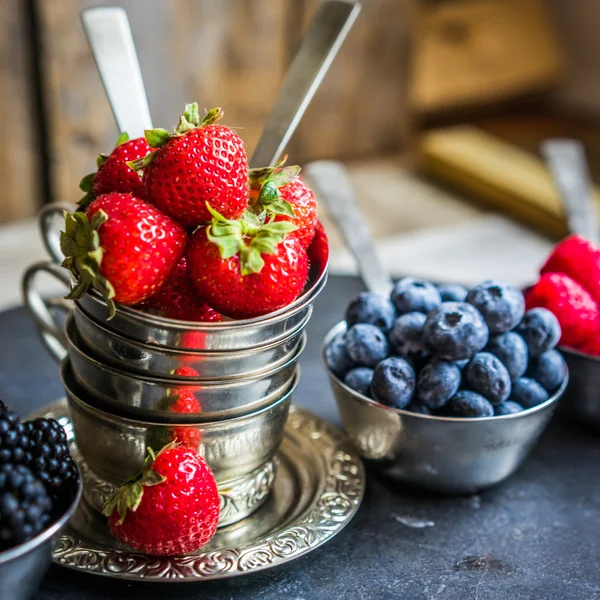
80, 244
190, 119
130, 494
269, 180
249, 237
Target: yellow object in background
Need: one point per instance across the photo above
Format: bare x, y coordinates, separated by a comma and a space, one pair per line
497, 174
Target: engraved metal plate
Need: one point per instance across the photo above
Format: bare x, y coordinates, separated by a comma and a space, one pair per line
318, 488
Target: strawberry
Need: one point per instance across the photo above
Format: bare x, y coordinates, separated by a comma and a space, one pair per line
246, 268
576, 310
592, 346
318, 251
281, 192
177, 299
185, 403
123, 247
579, 259
114, 174
171, 507
200, 162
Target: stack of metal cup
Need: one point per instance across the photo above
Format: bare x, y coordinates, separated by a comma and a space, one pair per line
140, 381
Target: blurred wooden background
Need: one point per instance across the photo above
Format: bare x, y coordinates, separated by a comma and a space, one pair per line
54, 117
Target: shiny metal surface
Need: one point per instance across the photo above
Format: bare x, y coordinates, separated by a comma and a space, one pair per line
568, 165
317, 490
441, 454
322, 40
114, 447
155, 361
332, 186
109, 35
23, 568
153, 398
582, 397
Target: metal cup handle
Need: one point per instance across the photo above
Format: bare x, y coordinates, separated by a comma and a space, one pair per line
47, 219
51, 332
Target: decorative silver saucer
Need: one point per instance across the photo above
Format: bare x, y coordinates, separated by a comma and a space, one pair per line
318, 488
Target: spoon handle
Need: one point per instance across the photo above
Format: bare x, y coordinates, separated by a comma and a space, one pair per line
332, 185
109, 35
326, 33
567, 163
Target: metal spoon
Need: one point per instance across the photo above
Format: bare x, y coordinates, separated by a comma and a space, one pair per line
567, 163
109, 35
324, 37
332, 186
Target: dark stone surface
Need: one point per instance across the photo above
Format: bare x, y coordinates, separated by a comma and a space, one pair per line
537, 537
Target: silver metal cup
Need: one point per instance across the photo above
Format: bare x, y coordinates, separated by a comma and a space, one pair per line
143, 397
23, 568
447, 455
240, 451
582, 398
155, 361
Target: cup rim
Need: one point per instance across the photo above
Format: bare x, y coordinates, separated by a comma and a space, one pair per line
104, 415
579, 354
182, 382
168, 350
341, 326
48, 533
148, 319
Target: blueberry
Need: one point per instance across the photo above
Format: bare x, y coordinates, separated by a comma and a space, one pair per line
470, 404
394, 382
508, 408
461, 364
337, 357
452, 292
373, 309
528, 392
417, 407
359, 380
366, 344
415, 295
512, 350
486, 375
549, 370
455, 331
540, 330
406, 336
501, 304
437, 383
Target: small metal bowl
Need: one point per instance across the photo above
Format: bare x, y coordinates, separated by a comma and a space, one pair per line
582, 398
22, 568
152, 398
441, 454
240, 451
157, 361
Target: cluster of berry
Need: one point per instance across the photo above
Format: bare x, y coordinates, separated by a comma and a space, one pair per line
38, 477
178, 225
569, 286
449, 351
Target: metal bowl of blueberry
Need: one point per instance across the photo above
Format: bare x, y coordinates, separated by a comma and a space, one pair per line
40, 487
444, 388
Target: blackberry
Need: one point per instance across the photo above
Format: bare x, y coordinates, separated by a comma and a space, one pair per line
14, 443
24, 505
50, 458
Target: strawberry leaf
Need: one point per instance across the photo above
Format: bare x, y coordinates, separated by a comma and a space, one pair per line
212, 116
281, 207
85, 185
101, 159
157, 137
251, 261
123, 137
286, 175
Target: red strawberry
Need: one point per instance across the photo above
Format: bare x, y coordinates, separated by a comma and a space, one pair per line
281, 192
579, 259
171, 507
318, 251
245, 268
123, 247
177, 299
186, 403
201, 162
114, 174
575, 309
592, 346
